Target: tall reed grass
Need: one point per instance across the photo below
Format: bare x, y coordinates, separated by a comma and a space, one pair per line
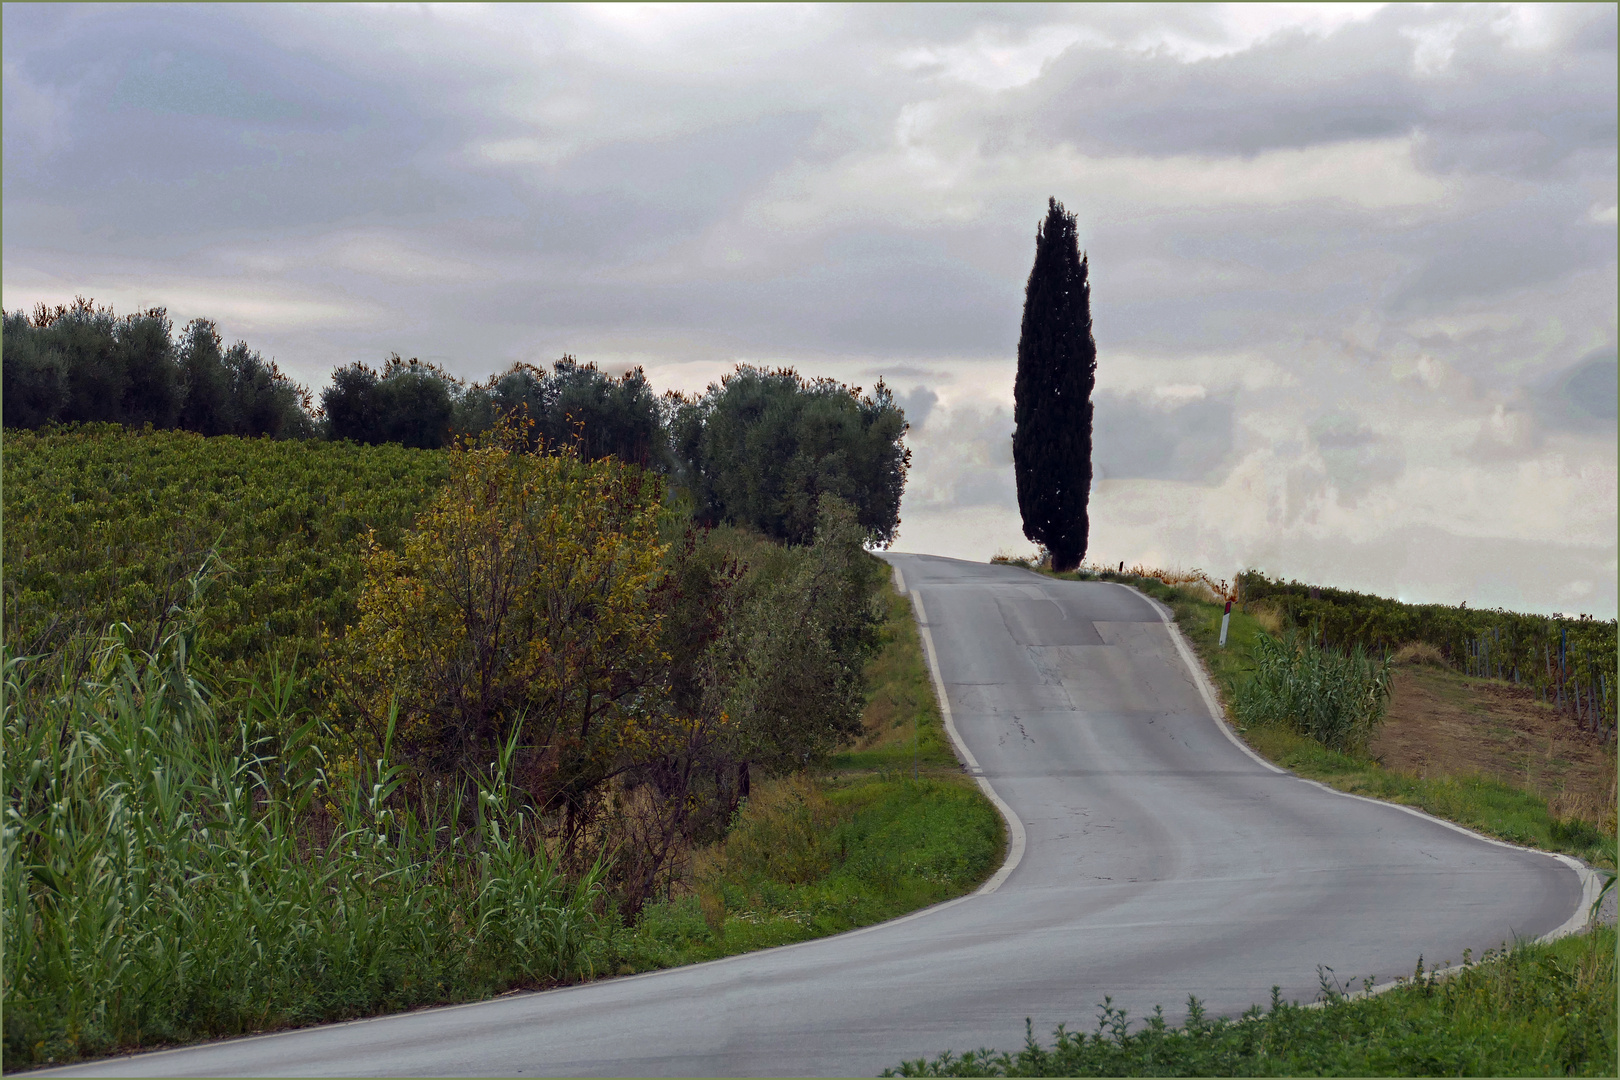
170, 873
1336, 697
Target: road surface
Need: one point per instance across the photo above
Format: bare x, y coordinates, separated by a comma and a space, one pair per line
1152, 857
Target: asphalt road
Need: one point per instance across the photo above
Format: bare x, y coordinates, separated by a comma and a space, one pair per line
1152, 857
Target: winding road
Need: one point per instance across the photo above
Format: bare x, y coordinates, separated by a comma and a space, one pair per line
1152, 856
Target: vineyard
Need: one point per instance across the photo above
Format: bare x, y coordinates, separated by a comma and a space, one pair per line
105, 525
1569, 662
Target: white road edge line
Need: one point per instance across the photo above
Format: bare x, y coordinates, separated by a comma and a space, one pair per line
1205, 690
1591, 880
1016, 840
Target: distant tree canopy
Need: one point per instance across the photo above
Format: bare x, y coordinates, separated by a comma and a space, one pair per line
578, 406
409, 402
761, 447
82, 363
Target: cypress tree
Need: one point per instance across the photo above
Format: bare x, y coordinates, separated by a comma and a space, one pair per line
1057, 369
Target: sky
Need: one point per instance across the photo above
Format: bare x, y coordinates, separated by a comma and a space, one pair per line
1353, 266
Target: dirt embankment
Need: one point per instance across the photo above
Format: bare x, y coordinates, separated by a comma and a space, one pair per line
1441, 723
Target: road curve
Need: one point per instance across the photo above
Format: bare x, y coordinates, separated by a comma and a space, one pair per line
1159, 859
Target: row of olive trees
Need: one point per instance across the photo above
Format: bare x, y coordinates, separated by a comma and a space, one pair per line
759, 448
83, 364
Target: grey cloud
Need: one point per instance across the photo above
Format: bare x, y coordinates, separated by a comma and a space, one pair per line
907, 371
1541, 237
886, 291
1581, 399
1357, 459
1425, 564
1135, 438
185, 124
964, 460
628, 199
1493, 107
917, 404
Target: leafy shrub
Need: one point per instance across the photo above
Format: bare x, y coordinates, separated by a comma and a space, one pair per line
408, 402
760, 448
522, 598
809, 619
577, 407
1337, 698
1554, 655
83, 364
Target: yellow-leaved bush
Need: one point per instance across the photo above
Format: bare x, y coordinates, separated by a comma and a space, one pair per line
522, 601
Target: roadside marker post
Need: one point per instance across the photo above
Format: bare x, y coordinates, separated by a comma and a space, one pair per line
1226, 620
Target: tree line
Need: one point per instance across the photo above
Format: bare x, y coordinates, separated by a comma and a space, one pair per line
759, 448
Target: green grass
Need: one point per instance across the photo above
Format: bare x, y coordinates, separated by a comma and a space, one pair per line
819, 858
902, 716
1538, 1010
855, 842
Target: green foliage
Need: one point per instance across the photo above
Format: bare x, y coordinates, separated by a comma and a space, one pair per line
578, 407
904, 730
761, 448
169, 876
1052, 411
1538, 1010
82, 364
827, 850
409, 402
521, 601
1337, 698
1568, 660
182, 861
520, 596
807, 622
104, 525
807, 860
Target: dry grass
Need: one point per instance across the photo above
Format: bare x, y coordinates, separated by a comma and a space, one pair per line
780, 834
1194, 581
1267, 614
1419, 653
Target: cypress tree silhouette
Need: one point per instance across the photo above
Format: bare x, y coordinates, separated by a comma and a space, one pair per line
1057, 369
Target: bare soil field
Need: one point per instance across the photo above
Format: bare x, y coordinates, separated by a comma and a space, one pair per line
1442, 723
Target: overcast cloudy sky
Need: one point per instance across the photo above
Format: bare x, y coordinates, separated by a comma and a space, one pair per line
1353, 266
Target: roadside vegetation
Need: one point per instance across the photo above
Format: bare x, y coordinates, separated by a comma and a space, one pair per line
888, 826
1537, 1010
298, 730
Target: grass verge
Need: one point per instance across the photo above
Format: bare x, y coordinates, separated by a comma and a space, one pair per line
883, 829
1537, 1010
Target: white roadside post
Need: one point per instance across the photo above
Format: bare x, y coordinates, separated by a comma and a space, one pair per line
1225, 621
